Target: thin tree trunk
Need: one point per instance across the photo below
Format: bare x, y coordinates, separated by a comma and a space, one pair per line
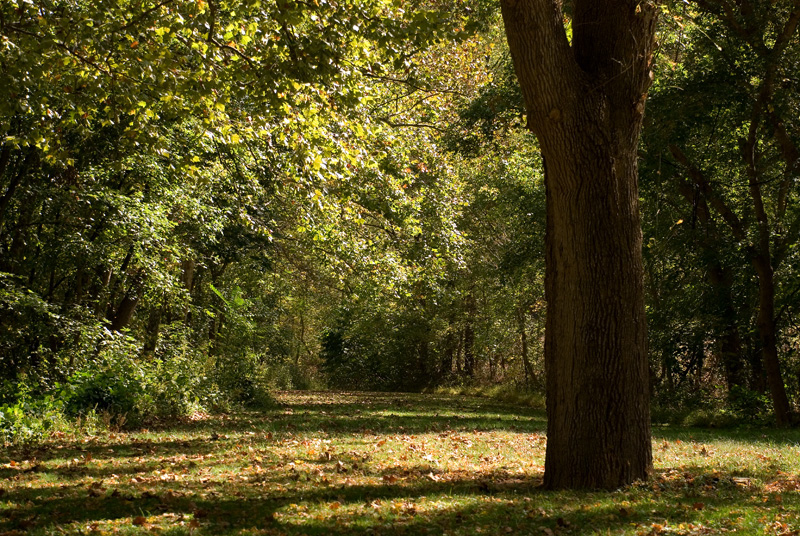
15, 181
767, 333
459, 353
530, 377
187, 276
422, 363
720, 277
469, 350
124, 313
469, 336
729, 339
448, 352
153, 329
762, 258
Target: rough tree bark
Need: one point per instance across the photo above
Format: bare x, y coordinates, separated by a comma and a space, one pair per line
585, 103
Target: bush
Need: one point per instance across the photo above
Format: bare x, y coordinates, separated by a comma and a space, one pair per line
109, 384
113, 382
29, 421
711, 418
121, 383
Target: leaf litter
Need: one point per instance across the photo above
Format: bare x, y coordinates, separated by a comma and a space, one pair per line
366, 463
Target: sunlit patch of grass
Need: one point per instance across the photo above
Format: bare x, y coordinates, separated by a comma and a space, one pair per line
369, 464
503, 393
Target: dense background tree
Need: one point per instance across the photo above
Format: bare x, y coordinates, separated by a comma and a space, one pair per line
203, 202
175, 174
727, 173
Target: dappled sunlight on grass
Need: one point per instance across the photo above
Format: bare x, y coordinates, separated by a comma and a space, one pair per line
363, 463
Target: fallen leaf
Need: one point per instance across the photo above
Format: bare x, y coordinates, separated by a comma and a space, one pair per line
139, 520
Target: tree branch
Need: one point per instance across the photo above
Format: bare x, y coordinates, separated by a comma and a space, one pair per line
543, 59
717, 202
142, 15
410, 125
791, 155
235, 51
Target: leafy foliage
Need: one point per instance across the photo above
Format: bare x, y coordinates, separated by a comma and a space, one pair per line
203, 202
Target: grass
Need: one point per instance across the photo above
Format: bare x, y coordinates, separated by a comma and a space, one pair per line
369, 464
509, 394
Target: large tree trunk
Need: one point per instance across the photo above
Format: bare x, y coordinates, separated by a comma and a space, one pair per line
585, 104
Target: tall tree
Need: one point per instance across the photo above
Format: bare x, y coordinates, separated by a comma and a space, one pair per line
585, 103
738, 157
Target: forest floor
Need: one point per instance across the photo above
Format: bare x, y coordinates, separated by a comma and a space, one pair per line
370, 464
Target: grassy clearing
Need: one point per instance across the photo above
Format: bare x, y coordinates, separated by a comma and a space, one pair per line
347, 463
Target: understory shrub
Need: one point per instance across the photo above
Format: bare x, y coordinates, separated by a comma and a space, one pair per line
711, 408
247, 378
30, 420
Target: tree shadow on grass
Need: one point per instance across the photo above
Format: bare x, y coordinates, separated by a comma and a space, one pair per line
345, 414
97, 484
341, 414
496, 502
760, 436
